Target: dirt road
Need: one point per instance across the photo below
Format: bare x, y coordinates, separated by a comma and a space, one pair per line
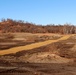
32, 46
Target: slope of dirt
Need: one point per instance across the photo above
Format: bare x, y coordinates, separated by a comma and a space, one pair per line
44, 57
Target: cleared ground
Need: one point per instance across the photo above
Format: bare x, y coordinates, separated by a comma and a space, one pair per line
32, 46
9, 40
56, 56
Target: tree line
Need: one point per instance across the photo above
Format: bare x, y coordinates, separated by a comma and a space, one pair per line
9, 25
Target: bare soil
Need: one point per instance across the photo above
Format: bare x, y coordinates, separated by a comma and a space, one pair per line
57, 58
9, 40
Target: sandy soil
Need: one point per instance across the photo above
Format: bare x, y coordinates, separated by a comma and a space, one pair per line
52, 57
32, 46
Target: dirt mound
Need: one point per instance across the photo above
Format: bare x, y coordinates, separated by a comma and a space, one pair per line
44, 57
